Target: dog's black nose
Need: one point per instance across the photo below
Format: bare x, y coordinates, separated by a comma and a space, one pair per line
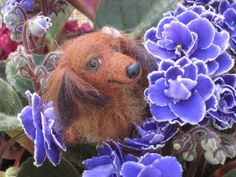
133, 70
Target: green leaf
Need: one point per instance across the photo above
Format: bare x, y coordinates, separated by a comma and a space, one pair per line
80, 152
2, 69
10, 103
58, 23
18, 82
153, 17
64, 169
9, 123
231, 173
124, 15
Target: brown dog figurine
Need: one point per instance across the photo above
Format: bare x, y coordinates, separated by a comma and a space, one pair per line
96, 87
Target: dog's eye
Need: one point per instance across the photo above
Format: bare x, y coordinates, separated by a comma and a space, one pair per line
94, 63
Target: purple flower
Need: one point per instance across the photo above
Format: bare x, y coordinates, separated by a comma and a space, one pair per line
152, 165
199, 2
179, 35
40, 123
228, 23
152, 135
12, 16
39, 25
108, 163
179, 90
225, 115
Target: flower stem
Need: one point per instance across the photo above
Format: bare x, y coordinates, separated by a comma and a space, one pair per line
9, 143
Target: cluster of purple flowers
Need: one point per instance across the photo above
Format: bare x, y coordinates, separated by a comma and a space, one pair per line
17, 13
192, 46
111, 162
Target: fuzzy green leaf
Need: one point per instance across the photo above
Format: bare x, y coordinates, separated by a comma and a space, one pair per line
64, 169
2, 69
125, 15
10, 103
231, 173
18, 82
9, 123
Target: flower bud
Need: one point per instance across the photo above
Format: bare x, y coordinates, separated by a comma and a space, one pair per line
39, 25
188, 156
210, 144
214, 159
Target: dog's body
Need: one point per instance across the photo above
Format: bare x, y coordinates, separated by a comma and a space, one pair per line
97, 88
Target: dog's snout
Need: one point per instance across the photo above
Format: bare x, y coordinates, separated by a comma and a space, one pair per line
133, 70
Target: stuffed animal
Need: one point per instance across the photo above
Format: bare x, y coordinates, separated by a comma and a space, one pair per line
97, 87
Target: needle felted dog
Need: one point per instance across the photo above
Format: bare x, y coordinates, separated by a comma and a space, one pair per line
96, 87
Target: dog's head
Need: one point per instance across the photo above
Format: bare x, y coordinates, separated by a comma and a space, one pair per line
93, 69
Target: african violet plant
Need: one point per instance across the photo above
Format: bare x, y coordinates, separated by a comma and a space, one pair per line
191, 96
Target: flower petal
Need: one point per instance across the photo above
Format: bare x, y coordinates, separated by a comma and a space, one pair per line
99, 171
226, 63
155, 93
207, 54
149, 158
161, 113
26, 120
162, 23
187, 16
150, 171
155, 75
168, 167
173, 72
190, 71
53, 154
194, 113
222, 40
39, 149
178, 33
205, 34
158, 52
131, 169
205, 86
212, 66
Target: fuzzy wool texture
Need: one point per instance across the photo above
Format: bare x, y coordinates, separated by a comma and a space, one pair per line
101, 104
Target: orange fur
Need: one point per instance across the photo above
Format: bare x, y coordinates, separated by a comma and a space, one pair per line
91, 108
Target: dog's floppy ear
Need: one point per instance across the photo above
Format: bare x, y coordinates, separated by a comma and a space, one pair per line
71, 91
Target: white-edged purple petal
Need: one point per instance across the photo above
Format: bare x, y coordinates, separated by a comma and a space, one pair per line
226, 63
178, 33
205, 86
155, 93
97, 161
155, 75
194, 113
161, 113
190, 71
162, 23
150, 171
230, 79
131, 169
212, 66
169, 167
37, 108
166, 64
202, 67
39, 148
173, 72
211, 103
187, 16
205, 31
149, 158
151, 35
222, 40
159, 52
207, 54
53, 154
99, 171
26, 120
